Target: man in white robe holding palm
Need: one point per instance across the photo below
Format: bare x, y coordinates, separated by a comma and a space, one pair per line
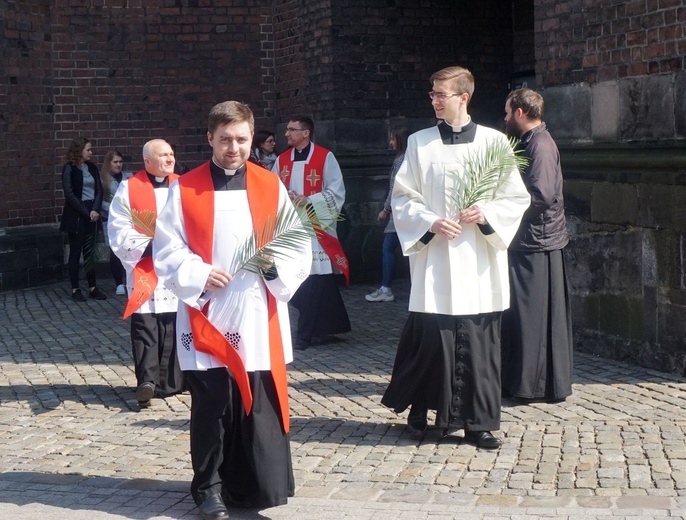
233, 329
448, 356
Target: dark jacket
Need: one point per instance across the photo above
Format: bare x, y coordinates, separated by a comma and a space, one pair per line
543, 226
72, 185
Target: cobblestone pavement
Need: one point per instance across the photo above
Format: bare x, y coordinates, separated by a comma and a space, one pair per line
74, 445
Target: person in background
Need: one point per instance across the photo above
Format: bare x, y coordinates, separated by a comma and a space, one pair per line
111, 176
151, 305
537, 342
390, 241
262, 151
233, 326
81, 215
448, 356
314, 180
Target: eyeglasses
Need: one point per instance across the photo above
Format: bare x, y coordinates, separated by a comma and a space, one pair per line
440, 96
289, 129
270, 141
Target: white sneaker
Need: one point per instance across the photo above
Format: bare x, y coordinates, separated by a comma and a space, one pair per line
121, 290
380, 296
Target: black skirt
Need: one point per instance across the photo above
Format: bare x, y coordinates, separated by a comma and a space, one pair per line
320, 307
450, 364
537, 342
246, 458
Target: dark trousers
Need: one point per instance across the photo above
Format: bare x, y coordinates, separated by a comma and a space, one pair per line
153, 338
247, 458
117, 269
86, 235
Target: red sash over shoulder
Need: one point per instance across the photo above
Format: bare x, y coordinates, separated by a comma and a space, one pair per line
197, 204
313, 183
142, 198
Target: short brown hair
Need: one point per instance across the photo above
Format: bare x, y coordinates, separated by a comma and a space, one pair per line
530, 101
305, 121
462, 80
230, 112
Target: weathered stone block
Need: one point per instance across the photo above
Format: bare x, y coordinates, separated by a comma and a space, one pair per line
614, 203
662, 206
600, 262
578, 198
620, 315
647, 107
680, 106
605, 112
568, 112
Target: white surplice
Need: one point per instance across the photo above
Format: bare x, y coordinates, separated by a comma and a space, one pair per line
327, 203
129, 244
467, 275
238, 311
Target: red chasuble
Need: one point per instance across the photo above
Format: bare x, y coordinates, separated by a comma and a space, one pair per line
312, 183
197, 206
142, 199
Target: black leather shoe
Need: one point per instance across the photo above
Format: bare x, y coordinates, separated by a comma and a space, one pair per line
484, 440
78, 296
416, 422
96, 294
213, 507
144, 393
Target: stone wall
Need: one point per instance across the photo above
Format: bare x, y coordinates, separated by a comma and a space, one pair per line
613, 77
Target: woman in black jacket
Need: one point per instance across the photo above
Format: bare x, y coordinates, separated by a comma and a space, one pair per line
80, 219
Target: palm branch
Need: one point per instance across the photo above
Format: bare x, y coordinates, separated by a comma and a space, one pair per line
144, 220
91, 253
484, 170
281, 237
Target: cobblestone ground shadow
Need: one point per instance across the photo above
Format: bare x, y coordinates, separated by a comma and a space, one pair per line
68, 417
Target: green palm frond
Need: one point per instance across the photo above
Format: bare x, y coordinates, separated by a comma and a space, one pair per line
484, 171
91, 253
281, 237
144, 220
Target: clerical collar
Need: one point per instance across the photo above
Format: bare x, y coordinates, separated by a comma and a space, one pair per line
158, 182
460, 128
457, 134
302, 154
227, 180
230, 173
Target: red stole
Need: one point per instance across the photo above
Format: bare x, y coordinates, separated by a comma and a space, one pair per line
142, 198
312, 183
197, 205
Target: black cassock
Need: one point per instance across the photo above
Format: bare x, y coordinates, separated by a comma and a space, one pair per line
450, 364
537, 344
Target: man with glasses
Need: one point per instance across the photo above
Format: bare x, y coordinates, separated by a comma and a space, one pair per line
448, 356
313, 178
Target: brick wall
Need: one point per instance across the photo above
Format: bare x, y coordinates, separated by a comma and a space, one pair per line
26, 163
602, 40
119, 72
358, 66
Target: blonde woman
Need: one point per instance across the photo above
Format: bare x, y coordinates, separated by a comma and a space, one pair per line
111, 175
